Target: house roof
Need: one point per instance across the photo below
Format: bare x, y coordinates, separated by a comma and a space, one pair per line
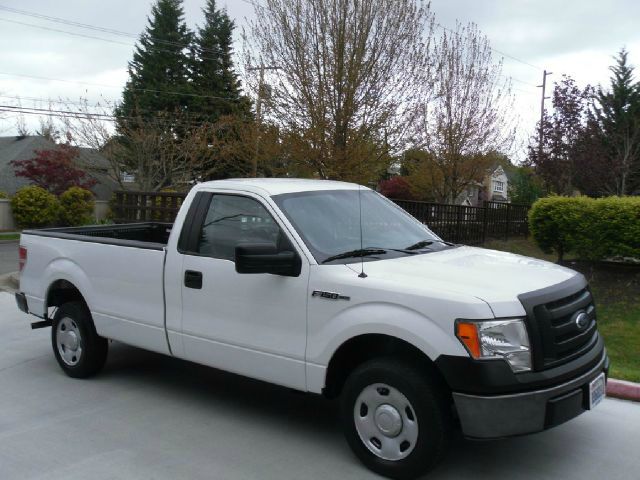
507, 171
18, 148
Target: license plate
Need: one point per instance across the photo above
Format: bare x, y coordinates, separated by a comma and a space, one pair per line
597, 389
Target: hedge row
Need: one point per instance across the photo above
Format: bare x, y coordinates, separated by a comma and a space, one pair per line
34, 207
591, 229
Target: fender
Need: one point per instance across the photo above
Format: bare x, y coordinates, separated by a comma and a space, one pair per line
408, 325
63, 269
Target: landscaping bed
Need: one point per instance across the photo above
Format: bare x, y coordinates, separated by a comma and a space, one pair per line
616, 289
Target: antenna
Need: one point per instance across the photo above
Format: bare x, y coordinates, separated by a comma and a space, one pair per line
362, 274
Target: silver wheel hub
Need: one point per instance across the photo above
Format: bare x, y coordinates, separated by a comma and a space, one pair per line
386, 421
69, 341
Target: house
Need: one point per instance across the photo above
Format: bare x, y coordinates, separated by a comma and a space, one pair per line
24, 148
494, 188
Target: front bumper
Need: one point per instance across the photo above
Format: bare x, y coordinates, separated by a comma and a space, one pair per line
521, 413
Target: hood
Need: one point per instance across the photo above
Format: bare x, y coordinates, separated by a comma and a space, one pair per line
495, 277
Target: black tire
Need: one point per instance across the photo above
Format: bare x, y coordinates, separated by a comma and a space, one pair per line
431, 407
92, 351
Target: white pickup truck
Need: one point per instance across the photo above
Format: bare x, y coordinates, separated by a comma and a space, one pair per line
330, 288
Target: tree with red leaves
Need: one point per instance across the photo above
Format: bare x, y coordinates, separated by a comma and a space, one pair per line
397, 188
54, 170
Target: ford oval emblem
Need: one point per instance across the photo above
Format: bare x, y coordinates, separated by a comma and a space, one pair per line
582, 321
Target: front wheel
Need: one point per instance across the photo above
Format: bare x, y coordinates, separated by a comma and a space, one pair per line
79, 350
396, 419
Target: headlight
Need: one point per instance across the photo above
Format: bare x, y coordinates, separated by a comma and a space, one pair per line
507, 339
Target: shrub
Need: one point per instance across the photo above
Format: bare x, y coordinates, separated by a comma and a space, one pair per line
33, 207
592, 229
54, 170
3, 195
614, 229
76, 207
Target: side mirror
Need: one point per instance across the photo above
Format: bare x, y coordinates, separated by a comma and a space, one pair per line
265, 258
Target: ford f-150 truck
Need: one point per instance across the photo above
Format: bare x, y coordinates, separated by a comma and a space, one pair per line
328, 287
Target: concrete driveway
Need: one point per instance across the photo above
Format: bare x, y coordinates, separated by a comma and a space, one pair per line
8, 257
148, 416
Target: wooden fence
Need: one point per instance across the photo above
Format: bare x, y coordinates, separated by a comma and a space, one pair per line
455, 223
471, 225
130, 206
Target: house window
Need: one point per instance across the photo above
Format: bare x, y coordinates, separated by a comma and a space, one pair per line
498, 186
128, 177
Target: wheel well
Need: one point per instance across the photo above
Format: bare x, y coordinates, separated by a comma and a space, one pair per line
61, 292
358, 350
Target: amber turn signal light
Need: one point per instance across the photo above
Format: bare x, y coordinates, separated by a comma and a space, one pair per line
467, 332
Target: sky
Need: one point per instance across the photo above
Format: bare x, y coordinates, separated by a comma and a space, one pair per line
572, 37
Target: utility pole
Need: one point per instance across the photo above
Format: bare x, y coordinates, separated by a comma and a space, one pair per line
261, 69
544, 91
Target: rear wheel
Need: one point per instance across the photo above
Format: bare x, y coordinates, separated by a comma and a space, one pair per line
79, 350
396, 419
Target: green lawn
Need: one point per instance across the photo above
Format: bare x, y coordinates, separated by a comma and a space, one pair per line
617, 294
9, 236
620, 327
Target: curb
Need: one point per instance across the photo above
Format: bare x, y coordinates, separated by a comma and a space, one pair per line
623, 390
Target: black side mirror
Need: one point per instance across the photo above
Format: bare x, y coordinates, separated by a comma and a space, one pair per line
265, 258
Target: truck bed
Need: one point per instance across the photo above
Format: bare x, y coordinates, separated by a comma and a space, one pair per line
150, 235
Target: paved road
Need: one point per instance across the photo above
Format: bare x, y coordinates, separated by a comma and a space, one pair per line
8, 257
147, 416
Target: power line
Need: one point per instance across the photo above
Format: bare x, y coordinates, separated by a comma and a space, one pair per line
59, 102
524, 62
65, 21
48, 110
522, 81
91, 27
50, 29
102, 85
102, 39
80, 115
77, 115
104, 107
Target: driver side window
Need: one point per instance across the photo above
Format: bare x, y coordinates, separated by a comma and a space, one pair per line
232, 220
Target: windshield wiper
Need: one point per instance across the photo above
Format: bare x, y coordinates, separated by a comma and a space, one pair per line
361, 252
426, 243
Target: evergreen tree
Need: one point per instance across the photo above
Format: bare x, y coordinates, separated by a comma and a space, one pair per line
160, 65
213, 69
617, 113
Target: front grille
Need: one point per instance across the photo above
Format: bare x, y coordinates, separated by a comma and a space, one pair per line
555, 334
562, 339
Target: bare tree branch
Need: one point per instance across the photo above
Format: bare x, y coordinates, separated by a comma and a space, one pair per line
349, 74
466, 115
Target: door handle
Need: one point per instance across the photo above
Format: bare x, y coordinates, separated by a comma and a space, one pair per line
193, 279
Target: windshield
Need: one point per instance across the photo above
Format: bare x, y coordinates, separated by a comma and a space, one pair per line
329, 223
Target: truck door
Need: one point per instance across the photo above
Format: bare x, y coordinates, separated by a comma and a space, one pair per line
251, 324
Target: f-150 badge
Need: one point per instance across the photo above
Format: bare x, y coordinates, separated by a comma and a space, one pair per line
329, 295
